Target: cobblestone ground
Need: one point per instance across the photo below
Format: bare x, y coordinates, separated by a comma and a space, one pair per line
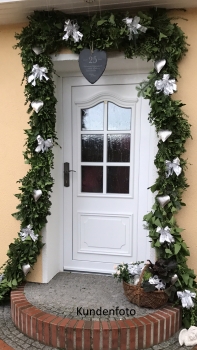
10, 334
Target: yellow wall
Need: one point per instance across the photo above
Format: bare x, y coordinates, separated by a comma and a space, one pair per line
187, 92
14, 119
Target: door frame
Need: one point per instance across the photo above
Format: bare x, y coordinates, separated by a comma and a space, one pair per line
53, 233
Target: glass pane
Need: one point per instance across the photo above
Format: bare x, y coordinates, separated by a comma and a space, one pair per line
118, 179
118, 148
92, 179
92, 118
91, 148
119, 118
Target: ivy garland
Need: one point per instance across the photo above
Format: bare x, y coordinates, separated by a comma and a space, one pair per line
162, 40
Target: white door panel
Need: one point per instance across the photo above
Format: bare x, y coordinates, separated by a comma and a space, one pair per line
107, 197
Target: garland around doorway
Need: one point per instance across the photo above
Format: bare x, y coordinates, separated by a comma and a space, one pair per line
151, 35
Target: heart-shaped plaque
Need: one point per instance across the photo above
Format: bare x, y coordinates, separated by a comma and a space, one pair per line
26, 268
163, 200
159, 65
37, 50
37, 194
92, 64
37, 105
164, 134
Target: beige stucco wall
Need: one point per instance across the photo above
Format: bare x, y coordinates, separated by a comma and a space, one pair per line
14, 119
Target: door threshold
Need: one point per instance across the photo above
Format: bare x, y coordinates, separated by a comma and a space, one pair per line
88, 272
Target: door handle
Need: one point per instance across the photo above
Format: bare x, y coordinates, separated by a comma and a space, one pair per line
66, 174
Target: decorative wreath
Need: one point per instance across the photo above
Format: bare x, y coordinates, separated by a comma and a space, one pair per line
151, 35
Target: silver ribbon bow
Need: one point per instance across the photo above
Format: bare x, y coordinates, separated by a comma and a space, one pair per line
186, 298
28, 232
37, 73
158, 283
167, 85
43, 145
133, 26
173, 166
71, 29
135, 270
165, 235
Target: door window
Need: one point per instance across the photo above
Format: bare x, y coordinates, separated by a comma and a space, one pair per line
105, 149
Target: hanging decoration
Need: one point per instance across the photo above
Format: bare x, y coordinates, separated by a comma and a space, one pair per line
167, 85
165, 235
92, 64
37, 194
186, 298
163, 200
71, 29
134, 26
164, 134
173, 166
37, 50
26, 269
37, 105
28, 232
159, 65
37, 73
43, 145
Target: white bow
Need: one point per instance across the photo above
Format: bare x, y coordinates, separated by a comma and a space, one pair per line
135, 270
133, 26
166, 84
37, 73
186, 298
43, 145
72, 30
158, 283
28, 232
173, 166
165, 235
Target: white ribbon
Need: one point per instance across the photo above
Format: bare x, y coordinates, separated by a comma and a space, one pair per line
37, 73
135, 270
158, 283
173, 166
165, 235
133, 26
43, 145
72, 30
186, 298
167, 85
28, 232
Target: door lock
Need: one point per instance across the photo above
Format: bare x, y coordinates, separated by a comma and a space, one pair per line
66, 174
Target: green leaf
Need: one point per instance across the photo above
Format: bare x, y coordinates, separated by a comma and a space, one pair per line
161, 36
111, 19
177, 248
185, 278
14, 282
101, 21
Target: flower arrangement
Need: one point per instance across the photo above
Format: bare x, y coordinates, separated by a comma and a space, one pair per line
158, 276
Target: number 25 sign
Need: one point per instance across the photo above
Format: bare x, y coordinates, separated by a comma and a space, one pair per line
92, 64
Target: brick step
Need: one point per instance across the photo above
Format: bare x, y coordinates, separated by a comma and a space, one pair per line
73, 334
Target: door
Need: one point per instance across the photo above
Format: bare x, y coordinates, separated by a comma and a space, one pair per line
107, 153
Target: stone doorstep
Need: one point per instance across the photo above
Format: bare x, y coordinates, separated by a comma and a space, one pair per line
73, 334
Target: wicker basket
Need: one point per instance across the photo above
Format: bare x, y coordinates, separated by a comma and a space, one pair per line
136, 295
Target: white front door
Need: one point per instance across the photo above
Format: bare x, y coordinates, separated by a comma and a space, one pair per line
107, 136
